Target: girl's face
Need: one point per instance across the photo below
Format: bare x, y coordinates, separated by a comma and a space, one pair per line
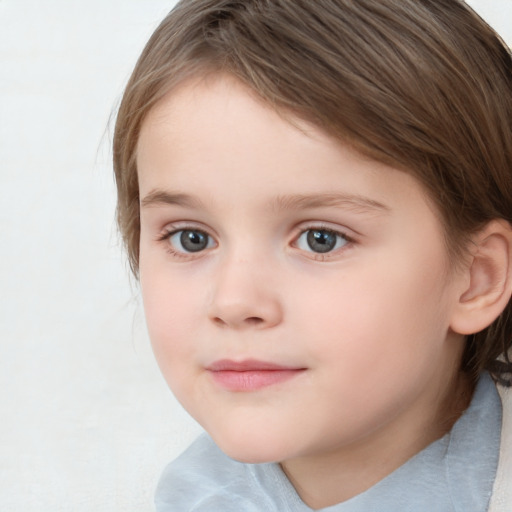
298, 295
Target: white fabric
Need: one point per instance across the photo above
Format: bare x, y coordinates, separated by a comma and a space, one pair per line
501, 500
443, 475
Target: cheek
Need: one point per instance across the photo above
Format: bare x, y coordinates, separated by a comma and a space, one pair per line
375, 338
377, 314
171, 309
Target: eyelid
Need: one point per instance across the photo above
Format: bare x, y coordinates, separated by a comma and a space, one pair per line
347, 233
173, 227
324, 226
176, 227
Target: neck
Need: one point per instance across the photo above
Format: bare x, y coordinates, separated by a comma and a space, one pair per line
334, 477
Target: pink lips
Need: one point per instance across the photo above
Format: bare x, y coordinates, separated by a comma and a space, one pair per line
250, 375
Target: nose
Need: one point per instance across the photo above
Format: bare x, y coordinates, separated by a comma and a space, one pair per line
245, 296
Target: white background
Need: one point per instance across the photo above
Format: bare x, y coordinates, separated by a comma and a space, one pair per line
87, 423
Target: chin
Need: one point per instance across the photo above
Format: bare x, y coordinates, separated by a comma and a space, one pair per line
251, 449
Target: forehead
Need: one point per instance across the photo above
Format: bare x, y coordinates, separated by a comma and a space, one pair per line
215, 137
213, 107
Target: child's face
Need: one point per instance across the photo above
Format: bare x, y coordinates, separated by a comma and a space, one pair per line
323, 273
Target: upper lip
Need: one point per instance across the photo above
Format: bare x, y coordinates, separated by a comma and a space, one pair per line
247, 365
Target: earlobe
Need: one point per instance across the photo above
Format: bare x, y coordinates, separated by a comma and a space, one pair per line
488, 281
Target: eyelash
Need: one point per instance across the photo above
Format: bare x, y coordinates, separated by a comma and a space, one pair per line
317, 256
168, 233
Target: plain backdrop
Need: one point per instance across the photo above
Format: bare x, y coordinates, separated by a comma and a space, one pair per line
87, 423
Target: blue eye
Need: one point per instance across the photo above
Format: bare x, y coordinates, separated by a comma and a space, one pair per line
190, 240
321, 240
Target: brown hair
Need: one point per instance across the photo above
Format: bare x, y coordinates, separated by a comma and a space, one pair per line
423, 85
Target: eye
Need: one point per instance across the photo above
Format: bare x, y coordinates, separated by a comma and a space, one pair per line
190, 240
321, 240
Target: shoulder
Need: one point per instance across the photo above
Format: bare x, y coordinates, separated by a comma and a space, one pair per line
204, 479
501, 500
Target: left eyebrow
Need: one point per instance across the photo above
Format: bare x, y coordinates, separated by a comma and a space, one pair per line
162, 198
353, 202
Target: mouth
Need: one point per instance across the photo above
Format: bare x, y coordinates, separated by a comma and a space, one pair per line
250, 375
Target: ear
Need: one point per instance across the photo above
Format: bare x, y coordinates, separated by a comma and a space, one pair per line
488, 279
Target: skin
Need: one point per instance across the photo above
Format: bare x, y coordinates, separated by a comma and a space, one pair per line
369, 322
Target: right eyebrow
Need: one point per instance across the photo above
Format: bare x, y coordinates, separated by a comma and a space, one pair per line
353, 202
162, 198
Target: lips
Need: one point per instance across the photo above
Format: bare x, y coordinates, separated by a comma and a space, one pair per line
250, 375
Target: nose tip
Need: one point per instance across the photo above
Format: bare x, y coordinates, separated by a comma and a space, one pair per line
243, 300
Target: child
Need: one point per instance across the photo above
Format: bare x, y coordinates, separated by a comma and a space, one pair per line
317, 198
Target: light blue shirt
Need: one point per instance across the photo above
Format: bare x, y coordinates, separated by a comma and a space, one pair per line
454, 474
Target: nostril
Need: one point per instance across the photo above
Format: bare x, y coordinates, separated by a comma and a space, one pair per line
219, 321
254, 320
251, 321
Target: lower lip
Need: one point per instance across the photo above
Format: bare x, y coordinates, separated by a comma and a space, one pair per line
252, 380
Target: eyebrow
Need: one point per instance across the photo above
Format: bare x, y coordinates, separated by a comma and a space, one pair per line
353, 202
162, 198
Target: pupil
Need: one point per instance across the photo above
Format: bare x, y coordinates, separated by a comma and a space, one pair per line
194, 241
321, 240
